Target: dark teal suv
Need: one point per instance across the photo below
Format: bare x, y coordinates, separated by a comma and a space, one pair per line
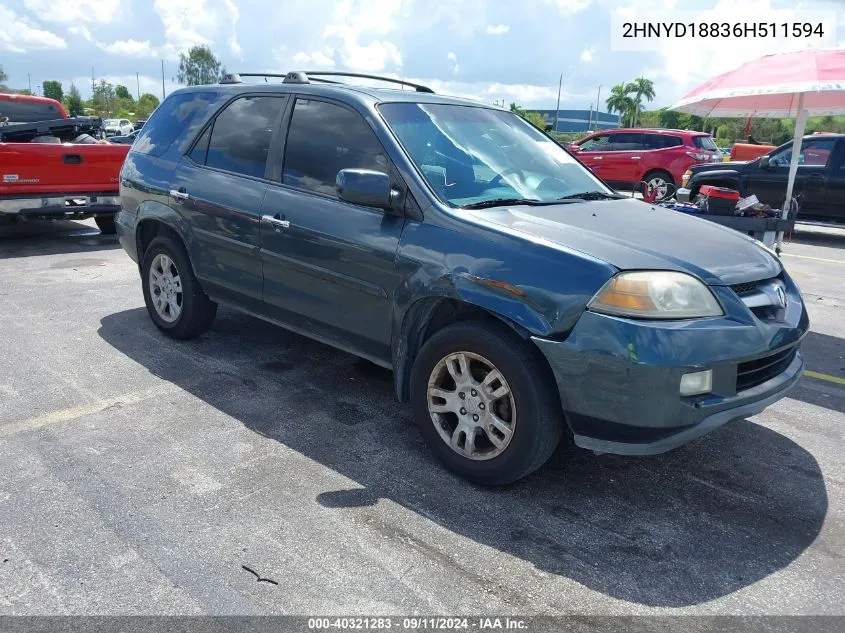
513, 294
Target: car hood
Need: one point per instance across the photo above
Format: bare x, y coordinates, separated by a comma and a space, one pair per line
632, 235
737, 165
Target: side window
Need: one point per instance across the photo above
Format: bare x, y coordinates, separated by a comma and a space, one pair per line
595, 144
628, 142
180, 116
814, 152
241, 135
200, 150
324, 138
661, 141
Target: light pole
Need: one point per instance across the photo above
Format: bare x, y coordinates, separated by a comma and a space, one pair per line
557, 109
598, 106
162, 80
29, 81
138, 85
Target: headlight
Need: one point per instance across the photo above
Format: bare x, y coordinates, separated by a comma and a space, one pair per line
656, 295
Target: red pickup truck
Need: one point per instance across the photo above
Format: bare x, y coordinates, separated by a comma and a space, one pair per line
51, 166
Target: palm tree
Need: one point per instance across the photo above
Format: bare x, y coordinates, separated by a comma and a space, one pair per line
640, 87
620, 101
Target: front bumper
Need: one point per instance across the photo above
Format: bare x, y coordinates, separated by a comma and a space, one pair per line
56, 207
619, 379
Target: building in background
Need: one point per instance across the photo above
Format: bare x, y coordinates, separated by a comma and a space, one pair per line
579, 120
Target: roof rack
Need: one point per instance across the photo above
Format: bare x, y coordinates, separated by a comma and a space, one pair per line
300, 77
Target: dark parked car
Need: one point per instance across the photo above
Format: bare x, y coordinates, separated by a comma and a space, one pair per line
125, 140
513, 294
819, 182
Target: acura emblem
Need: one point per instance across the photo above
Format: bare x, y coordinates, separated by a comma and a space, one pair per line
781, 296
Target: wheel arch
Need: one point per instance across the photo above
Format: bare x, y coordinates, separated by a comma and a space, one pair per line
156, 219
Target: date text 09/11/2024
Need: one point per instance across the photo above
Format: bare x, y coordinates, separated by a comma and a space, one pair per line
420, 623
722, 29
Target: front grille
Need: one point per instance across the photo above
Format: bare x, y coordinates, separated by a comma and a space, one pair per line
747, 288
755, 372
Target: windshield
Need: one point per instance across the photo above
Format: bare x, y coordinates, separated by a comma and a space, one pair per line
111, 122
473, 155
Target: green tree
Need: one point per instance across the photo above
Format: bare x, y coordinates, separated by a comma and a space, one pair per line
121, 92
620, 101
3, 76
536, 119
517, 110
103, 99
199, 66
146, 104
73, 103
53, 90
640, 87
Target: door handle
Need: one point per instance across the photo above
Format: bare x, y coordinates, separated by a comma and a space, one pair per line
181, 194
635, 157
597, 157
72, 159
277, 221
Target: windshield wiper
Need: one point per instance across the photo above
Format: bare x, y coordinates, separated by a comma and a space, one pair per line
592, 195
503, 202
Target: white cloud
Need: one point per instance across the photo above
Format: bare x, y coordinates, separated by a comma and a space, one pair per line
499, 29
587, 54
18, 35
186, 22
81, 31
570, 6
102, 11
317, 59
352, 21
130, 47
454, 59
234, 15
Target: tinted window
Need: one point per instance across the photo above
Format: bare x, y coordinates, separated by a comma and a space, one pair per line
813, 152
323, 139
704, 142
662, 141
627, 141
179, 116
201, 148
23, 111
240, 138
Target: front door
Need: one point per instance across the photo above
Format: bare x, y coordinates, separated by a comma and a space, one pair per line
329, 266
219, 187
769, 183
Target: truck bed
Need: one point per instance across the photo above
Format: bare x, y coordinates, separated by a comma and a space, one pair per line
33, 169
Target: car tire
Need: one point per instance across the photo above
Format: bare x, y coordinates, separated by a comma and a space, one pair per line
535, 416
106, 224
176, 303
653, 178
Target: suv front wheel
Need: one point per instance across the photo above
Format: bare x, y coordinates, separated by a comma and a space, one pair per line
483, 403
176, 302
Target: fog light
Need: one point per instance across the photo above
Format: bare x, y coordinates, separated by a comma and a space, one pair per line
698, 383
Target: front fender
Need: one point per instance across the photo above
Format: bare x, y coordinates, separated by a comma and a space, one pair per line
729, 177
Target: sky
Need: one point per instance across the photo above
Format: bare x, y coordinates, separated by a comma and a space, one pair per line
490, 50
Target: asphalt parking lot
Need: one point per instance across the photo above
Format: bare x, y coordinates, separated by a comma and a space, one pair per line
143, 475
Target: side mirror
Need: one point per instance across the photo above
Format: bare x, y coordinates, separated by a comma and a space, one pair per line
365, 187
764, 162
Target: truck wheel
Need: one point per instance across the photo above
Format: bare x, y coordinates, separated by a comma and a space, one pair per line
483, 402
662, 181
176, 302
106, 224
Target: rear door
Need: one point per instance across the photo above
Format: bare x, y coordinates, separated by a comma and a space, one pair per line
219, 187
832, 205
329, 266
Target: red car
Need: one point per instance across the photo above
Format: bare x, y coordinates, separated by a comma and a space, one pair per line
625, 157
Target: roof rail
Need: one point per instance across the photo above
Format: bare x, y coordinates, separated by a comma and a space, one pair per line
299, 77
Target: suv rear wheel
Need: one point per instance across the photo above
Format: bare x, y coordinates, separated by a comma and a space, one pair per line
482, 402
176, 302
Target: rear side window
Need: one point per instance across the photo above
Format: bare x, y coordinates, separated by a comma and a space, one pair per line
323, 139
662, 141
241, 136
704, 142
24, 111
179, 116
